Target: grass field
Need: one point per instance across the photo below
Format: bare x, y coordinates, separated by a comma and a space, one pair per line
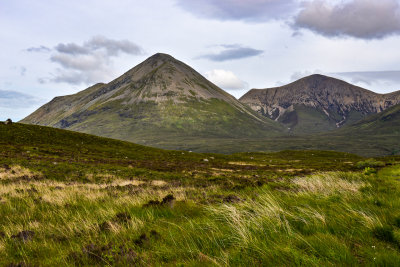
72, 199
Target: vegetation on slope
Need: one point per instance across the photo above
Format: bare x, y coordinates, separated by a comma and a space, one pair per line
161, 98
73, 199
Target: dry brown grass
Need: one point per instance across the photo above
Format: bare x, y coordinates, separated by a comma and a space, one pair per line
327, 184
242, 163
16, 171
62, 193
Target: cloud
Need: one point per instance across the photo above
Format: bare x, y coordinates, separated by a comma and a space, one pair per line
232, 52
38, 49
301, 74
72, 49
90, 62
112, 47
22, 71
225, 79
370, 77
248, 10
13, 99
365, 19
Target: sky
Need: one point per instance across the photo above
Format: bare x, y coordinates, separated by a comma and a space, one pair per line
51, 48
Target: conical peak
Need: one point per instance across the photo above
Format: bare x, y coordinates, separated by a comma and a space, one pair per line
161, 57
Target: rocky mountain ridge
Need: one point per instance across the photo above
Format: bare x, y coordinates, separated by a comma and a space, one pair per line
336, 102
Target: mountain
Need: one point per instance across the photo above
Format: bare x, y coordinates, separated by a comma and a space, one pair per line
386, 123
161, 100
318, 103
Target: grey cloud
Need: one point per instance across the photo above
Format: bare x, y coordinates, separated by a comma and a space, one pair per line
82, 62
41, 48
237, 52
248, 10
113, 47
22, 71
365, 19
370, 77
231, 45
79, 77
72, 49
13, 99
90, 62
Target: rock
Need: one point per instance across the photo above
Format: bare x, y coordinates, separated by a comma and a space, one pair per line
155, 234
8, 122
122, 217
106, 226
206, 160
152, 203
24, 236
168, 200
143, 239
6, 167
20, 264
232, 199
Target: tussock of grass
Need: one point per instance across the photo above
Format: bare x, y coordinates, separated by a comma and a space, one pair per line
330, 183
314, 227
105, 203
15, 171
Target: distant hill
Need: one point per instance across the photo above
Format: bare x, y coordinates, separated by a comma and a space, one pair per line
386, 122
318, 103
162, 100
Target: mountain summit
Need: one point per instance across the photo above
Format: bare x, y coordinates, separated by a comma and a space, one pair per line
160, 99
318, 103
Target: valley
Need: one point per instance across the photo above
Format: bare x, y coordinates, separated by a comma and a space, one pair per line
76, 199
164, 103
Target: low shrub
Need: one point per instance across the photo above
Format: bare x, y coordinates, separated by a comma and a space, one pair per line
372, 163
384, 233
369, 170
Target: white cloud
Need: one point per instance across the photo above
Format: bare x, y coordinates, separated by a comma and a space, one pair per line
226, 80
366, 19
301, 74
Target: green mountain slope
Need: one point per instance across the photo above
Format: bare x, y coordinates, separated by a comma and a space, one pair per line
160, 99
386, 122
376, 135
318, 103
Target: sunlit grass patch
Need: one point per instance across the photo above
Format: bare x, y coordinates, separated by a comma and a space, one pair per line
14, 172
330, 183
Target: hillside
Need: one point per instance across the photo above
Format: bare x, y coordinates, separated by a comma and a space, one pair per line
318, 103
72, 199
386, 122
160, 99
375, 135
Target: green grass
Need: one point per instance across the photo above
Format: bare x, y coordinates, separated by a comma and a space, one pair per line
83, 201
